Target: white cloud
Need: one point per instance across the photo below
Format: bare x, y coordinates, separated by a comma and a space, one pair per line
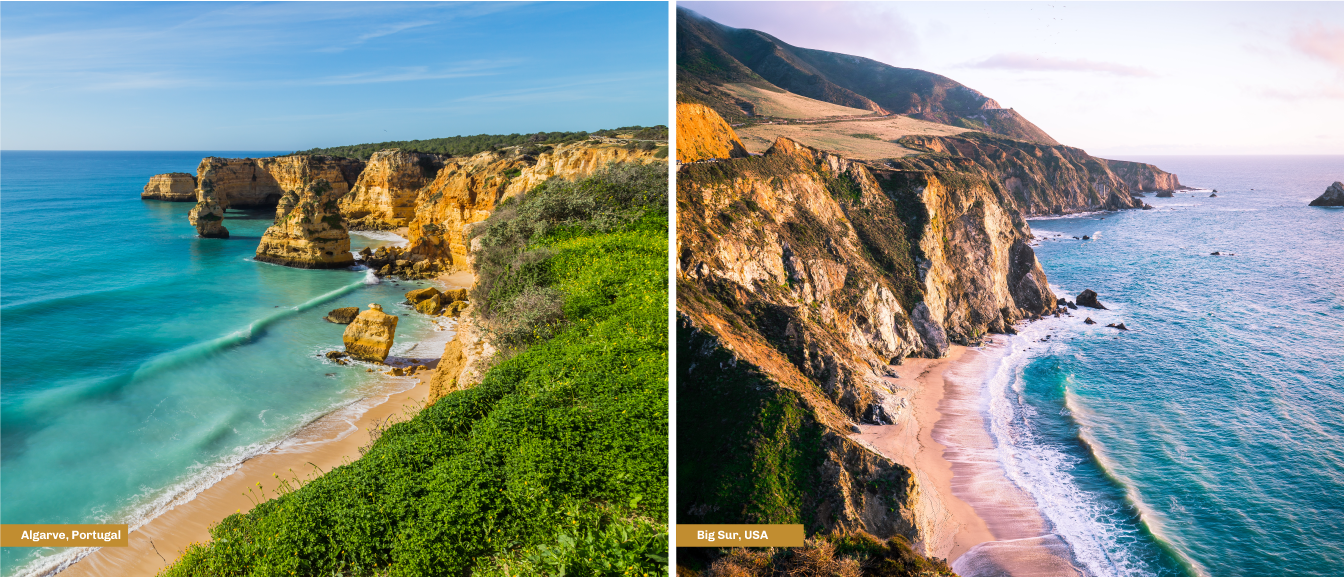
1038, 63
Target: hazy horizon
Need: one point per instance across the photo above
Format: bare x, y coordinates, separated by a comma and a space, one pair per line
294, 76
1115, 79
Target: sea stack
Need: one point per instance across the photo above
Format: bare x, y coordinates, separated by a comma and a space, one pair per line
1088, 298
1334, 196
370, 336
308, 230
208, 215
172, 187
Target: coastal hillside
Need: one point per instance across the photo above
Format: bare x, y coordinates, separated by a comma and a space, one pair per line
544, 448
804, 281
711, 56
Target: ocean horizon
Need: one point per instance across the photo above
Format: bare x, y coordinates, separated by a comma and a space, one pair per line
142, 363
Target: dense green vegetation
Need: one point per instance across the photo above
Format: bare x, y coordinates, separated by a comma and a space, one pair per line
556, 464
469, 145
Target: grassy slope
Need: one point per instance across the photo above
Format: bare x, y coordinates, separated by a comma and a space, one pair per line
555, 464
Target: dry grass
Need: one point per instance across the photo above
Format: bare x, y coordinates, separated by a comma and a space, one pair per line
859, 139
788, 104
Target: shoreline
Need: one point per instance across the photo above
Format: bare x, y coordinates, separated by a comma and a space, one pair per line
987, 525
327, 442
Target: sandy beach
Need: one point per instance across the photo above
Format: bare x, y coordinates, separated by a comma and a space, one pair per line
328, 442
995, 526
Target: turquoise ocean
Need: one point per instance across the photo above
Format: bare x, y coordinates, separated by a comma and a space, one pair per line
1209, 438
140, 363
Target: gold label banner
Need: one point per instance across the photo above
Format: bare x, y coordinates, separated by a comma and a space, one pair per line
740, 535
63, 535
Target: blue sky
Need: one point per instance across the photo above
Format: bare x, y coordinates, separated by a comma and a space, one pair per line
1113, 78
291, 76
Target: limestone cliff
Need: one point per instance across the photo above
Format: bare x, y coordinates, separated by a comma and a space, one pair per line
260, 182
383, 198
173, 186
308, 230
702, 134
804, 275
1038, 179
466, 190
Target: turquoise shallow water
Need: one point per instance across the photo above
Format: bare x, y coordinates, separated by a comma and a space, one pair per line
141, 362
1209, 439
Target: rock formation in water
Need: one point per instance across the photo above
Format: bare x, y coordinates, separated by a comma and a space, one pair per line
370, 336
208, 215
308, 230
1334, 196
261, 182
383, 198
1144, 177
1088, 298
172, 186
342, 316
707, 135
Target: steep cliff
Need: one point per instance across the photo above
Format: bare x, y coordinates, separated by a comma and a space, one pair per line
173, 186
467, 190
1144, 177
801, 277
383, 198
1038, 179
308, 230
260, 182
703, 134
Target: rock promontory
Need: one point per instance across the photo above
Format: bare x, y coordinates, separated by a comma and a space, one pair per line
261, 182
308, 230
172, 186
703, 134
1334, 196
369, 337
383, 198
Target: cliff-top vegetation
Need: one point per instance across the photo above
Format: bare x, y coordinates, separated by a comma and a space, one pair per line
469, 145
556, 464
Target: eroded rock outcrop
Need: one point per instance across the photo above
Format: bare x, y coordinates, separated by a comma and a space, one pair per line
702, 134
370, 336
208, 215
1144, 177
261, 182
466, 190
342, 316
308, 230
1334, 196
172, 186
383, 198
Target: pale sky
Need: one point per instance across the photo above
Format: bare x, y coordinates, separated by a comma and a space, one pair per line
297, 75
1113, 78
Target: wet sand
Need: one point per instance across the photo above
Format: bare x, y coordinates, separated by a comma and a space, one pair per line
992, 527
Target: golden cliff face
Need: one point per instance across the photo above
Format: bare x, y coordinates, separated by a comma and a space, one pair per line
466, 191
260, 182
384, 196
308, 230
702, 134
173, 187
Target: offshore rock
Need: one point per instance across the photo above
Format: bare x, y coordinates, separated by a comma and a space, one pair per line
208, 215
173, 187
703, 134
1088, 298
1334, 196
1089, 321
430, 306
383, 198
308, 231
370, 336
261, 182
342, 316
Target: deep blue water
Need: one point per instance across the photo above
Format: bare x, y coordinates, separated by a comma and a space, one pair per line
139, 361
1208, 439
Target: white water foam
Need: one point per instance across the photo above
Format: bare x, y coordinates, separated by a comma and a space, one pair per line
386, 236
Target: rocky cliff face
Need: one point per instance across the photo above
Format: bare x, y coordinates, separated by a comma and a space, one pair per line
308, 231
801, 277
383, 198
1143, 177
701, 134
466, 190
173, 186
1037, 179
260, 182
